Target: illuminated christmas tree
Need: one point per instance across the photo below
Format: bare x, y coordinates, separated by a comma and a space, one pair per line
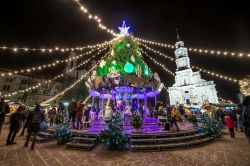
124, 57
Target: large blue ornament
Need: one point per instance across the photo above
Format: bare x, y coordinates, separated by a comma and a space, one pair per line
129, 67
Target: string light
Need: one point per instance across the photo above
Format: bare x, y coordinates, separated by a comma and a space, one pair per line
158, 63
205, 51
87, 99
171, 73
214, 74
94, 17
158, 52
56, 77
234, 80
75, 83
53, 64
55, 49
225, 101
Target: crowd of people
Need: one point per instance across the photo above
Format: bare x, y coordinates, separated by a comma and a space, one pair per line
80, 116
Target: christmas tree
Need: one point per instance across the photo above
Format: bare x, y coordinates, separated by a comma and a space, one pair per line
125, 57
114, 136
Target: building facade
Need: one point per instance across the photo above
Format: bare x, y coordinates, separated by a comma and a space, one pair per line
189, 88
16, 82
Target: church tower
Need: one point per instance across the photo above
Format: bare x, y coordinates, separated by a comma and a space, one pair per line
189, 88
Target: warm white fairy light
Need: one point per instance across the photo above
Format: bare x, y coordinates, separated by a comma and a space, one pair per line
57, 62
87, 99
158, 63
207, 51
227, 78
157, 52
225, 101
50, 50
74, 84
56, 77
95, 18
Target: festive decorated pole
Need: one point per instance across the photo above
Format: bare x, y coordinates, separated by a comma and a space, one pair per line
87, 99
145, 102
93, 101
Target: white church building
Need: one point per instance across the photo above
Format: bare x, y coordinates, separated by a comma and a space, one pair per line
189, 88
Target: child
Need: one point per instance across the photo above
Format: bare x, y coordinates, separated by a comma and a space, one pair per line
230, 124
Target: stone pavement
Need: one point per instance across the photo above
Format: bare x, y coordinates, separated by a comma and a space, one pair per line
223, 151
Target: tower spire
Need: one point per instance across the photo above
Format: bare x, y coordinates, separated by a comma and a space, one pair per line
177, 34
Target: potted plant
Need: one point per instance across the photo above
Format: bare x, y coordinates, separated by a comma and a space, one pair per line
114, 136
211, 125
62, 134
136, 121
44, 125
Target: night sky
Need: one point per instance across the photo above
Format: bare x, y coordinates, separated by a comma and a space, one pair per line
208, 24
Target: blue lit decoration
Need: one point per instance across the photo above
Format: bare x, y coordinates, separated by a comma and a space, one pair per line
120, 96
129, 67
62, 131
124, 29
114, 135
146, 72
210, 125
129, 96
44, 125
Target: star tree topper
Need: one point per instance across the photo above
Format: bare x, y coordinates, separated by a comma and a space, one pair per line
124, 29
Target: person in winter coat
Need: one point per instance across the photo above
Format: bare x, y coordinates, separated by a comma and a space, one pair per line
15, 124
25, 124
86, 114
230, 124
79, 114
4, 109
51, 116
246, 116
34, 119
72, 112
175, 115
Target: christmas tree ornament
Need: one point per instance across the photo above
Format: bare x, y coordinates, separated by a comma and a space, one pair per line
113, 62
102, 63
132, 58
112, 52
129, 67
138, 71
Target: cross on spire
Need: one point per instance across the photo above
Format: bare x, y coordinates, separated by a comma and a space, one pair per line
124, 29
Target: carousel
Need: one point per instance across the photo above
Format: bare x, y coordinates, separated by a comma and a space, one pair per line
123, 79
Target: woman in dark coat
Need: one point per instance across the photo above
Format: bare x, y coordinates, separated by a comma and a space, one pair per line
15, 124
246, 116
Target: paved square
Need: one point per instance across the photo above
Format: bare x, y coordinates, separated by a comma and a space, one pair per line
223, 151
